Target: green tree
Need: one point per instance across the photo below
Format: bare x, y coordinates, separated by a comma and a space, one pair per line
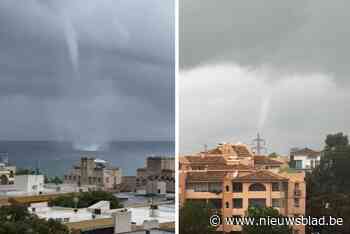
333, 173
273, 155
86, 199
256, 213
336, 140
16, 219
194, 218
328, 186
336, 205
25, 171
54, 180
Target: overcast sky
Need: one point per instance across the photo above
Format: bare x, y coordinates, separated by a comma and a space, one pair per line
277, 67
87, 71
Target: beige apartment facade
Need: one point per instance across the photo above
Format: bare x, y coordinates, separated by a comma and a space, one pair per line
228, 178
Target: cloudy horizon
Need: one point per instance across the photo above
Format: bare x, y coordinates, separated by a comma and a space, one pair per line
279, 69
88, 72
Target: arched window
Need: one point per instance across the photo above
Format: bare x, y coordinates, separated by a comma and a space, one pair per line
257, 187
227, 188
227, 205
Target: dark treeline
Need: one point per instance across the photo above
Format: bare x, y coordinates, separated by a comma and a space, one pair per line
328, 186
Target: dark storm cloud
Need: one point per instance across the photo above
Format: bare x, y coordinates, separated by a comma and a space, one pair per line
89, 71
277, 67
292, 36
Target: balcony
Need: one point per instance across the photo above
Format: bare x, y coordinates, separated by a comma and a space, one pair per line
190, 193
297, 192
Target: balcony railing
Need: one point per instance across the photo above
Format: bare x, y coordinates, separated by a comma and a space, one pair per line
297, 192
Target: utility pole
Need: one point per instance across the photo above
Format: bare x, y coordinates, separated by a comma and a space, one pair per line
259, 144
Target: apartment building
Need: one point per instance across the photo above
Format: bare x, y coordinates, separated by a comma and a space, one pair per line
231, 180
95, 173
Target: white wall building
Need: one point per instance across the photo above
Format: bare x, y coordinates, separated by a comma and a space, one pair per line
30, 184
100, 210
304, 159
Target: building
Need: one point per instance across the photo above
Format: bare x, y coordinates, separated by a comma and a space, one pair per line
99, 218
29, 184
7, 173
160, 169
156, 187
96, 173
268, 163
231, 178
128, 184
304, 159
158, 164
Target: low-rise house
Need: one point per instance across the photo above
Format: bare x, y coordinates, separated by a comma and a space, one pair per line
24, 185
304, 159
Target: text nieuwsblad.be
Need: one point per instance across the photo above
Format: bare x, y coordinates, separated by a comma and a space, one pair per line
273, 221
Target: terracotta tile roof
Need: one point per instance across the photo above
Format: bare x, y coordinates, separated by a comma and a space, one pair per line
226, 167
183, 159
215, 151
206, 160
264, 160
307, 151
261, 175
210, 176
241, 150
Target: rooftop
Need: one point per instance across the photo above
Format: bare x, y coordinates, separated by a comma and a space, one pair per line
206, 176
166, 214
240, 150
265, 160
206, 159
262, 175
306, 151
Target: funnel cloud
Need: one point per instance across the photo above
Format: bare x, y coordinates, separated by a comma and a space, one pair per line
87, 71
277, 67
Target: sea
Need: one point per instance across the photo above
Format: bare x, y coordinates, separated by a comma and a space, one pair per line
57, 158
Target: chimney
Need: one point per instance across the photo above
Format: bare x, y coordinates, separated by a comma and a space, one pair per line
150, 224
122, 221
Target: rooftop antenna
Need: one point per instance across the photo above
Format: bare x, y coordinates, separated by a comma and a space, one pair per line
37, 170
259, 144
